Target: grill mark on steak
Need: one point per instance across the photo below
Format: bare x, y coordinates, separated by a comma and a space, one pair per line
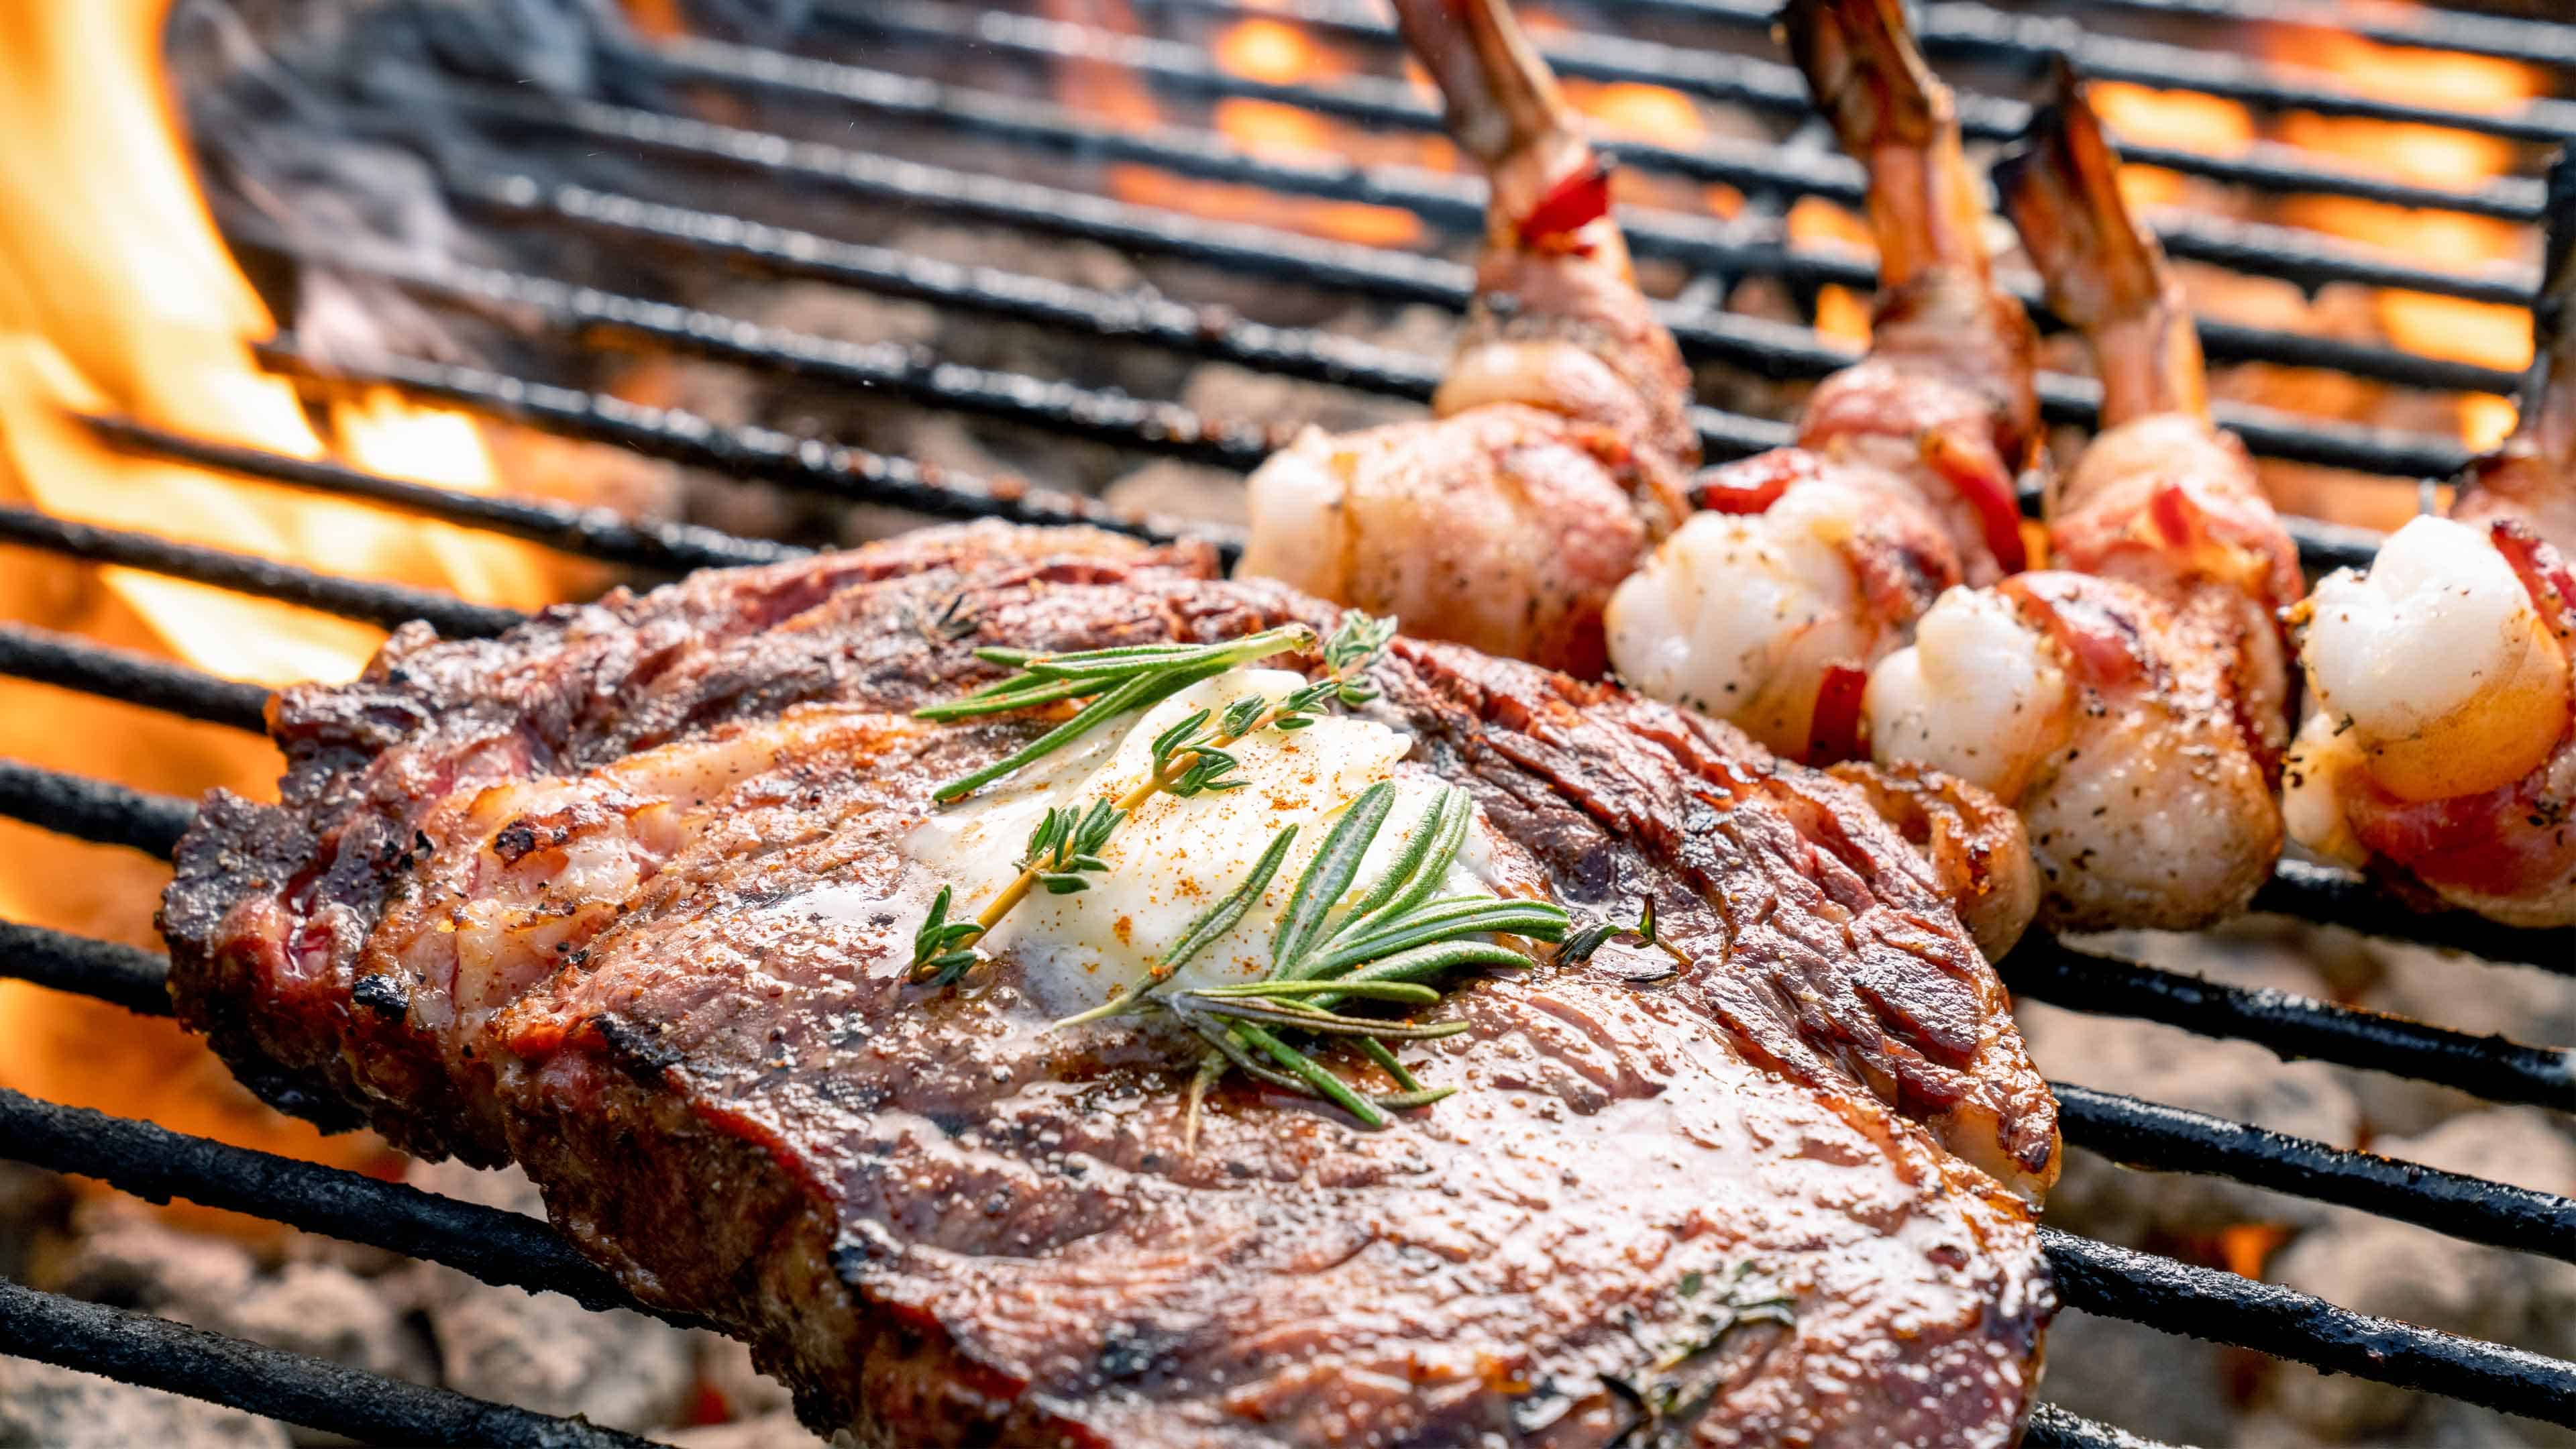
944, 1224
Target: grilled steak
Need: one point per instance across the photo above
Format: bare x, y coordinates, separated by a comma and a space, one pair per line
624, 896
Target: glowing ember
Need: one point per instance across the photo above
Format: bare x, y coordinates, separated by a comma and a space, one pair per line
2171, 120
1275, 53
1270, 51
2448, 327
1842, 315
2246, 1247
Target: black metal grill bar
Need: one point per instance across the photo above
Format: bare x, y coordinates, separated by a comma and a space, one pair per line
2496, 1068
93, 810
134, 979
2341, 898
809, 463
159, 1353
2267, 166
156, 1164
1977, 32
2094, 1276
2051, 1427
1769, 348
739, 244
2537, 42
2221, 1307
598, 533
1455, 203
73, 663
1973, 30
593, 319
806, 465
2151, 1135
386, 605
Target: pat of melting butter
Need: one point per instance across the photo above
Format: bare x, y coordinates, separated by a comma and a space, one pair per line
1175, 858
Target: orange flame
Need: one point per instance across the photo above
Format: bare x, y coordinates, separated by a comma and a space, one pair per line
1257, 48
117, 295
1842, 315
2487, 334
2171, 120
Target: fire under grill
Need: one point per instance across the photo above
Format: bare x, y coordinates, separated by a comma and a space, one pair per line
503, 1248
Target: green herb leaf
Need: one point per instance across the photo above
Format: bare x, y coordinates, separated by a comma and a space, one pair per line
1330, 874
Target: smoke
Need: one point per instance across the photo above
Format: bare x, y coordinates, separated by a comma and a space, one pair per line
327, 131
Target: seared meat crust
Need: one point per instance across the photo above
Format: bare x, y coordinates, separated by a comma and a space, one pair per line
618, 896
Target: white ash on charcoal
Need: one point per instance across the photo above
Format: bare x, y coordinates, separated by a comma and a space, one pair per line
44, 1407
2153, 1384
285, 1293
543, 1351
2191, 1393
2230, 1079
2399, 1271
770, 1431
756, 1406
359, 1307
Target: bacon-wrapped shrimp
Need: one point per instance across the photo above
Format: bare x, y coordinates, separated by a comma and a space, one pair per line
2133, 703
2443, 746
1813, 562
1561, 439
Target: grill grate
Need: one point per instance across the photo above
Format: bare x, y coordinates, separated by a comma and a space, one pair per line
503, 1248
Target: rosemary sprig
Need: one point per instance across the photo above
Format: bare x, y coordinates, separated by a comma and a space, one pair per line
1189, 759
1667, 1404
1580, 946
1386, 946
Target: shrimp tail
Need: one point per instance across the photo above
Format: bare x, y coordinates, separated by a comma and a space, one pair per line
1504, 108
1889, 110
2104, 272
1938, 313
1557, 323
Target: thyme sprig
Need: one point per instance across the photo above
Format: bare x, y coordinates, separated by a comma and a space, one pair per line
1388, 945
1190, 758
